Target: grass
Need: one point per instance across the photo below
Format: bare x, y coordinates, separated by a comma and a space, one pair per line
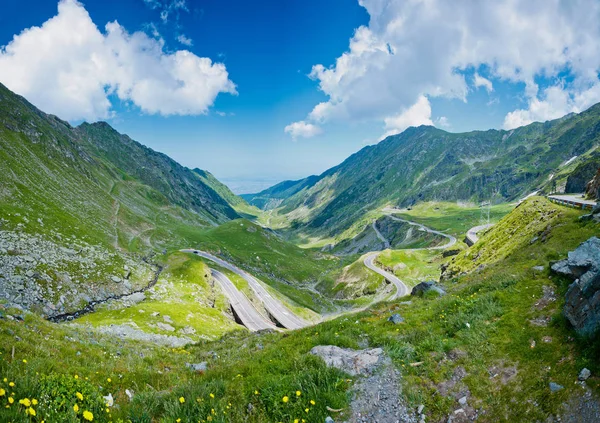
454, 218
497, 301
412, 266
183, 294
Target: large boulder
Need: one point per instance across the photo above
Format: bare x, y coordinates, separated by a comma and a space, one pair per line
420, 289
354, 362
582, 302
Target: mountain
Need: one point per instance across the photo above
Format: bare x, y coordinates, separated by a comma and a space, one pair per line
92, 181
427, 163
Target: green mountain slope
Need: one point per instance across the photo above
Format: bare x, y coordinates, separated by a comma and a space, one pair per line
93, 181
427, 163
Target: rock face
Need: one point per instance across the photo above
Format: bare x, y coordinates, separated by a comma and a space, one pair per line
424, 287
582, 306
593, 187
354, 362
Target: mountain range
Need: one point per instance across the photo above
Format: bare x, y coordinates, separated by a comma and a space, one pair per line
426, 163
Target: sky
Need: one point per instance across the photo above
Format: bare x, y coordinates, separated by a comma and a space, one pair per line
263, 91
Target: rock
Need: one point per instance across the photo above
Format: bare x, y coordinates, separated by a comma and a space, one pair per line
420, 408
329, 420
592, 189
115, 279
424, 287
555, 387
547, 339
462, 401
188, 330
449, 253
155, 314
198, 367
129, 394
165, 326
584, 374
538, 268
167, 318
582, 305
354, 362
396, 319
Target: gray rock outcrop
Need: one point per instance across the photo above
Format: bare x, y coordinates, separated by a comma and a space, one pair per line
354, 362
582, 303
420, 289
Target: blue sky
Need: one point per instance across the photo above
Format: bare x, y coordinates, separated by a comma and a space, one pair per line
406, 65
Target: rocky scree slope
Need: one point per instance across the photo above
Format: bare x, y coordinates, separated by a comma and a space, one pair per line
427, 163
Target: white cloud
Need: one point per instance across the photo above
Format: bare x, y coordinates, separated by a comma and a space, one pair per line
185, 40
480, 81
443, 122
416, 115
69, 68
302, 129
420, 48
554, 102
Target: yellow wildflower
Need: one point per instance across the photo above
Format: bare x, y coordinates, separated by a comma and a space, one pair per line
2, 392
212, 395
11, 384
34, 401
11, 400
285, 399
76, 376
298, 393
25, 402
255, 392
181, 400
5, 380
296, 421
312, 402
108, 380
88, 416
178, 420
76, 408
31, 411
306, 409
24, 361
79, 396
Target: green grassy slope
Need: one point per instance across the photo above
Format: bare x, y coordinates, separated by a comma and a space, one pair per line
502, 359
94, 181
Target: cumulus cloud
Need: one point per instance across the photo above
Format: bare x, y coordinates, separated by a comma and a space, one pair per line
70, 68
302, 129
554, 102
416, 115
417, 48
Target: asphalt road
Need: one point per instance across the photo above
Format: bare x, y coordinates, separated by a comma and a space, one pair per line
575, 199
276, 309
243, 308
401, 289
472, 233
369, 261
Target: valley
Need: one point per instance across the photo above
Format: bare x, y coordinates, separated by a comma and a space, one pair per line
154, 293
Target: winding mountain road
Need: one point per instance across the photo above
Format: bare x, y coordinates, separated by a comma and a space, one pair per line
242, 307
279, 312
369, 261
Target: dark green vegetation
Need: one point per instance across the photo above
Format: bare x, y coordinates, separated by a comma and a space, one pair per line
503, 357
427, 163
